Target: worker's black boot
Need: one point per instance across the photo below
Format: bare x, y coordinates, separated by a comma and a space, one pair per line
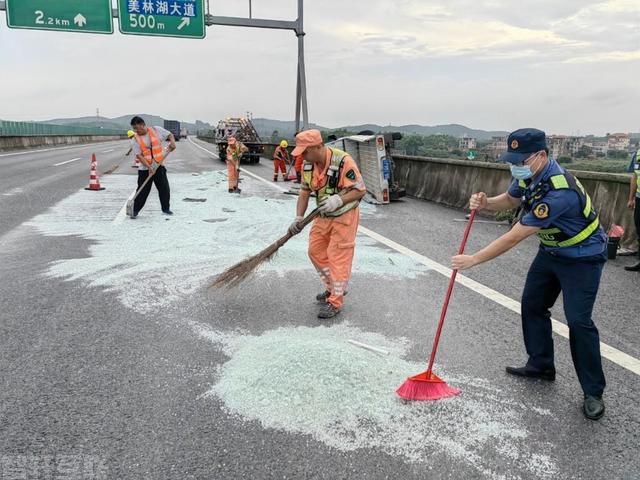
593, 407
322, 297
328, 311
531, 372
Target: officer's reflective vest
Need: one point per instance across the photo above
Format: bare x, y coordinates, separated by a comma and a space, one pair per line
554, 236
331, 186
155, 152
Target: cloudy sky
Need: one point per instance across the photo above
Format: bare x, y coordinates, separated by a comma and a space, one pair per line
568, 66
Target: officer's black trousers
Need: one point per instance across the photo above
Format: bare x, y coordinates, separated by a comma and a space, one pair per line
636, 218
578, 280
162, 184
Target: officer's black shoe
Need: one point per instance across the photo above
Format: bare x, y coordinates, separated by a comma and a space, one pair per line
328, 311
633, 268
167, 212
593, 407
530, 372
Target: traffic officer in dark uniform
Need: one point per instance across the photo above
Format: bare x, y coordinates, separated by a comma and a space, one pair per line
570, 260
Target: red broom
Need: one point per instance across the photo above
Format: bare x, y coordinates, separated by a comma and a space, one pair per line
427, 385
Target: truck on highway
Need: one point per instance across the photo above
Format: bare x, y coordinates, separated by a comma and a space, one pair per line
244, 131
174, 127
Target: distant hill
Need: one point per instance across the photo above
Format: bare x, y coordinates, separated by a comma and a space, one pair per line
266, 127
123, 122
452, 129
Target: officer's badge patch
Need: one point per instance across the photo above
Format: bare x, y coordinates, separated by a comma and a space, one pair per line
515, 144
351, 175
541, 211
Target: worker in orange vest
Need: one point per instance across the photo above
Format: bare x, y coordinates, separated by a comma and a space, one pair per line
280, 161
150, 154
334, 177
235, 150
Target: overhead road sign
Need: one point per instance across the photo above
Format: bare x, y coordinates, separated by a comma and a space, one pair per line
162, 18
87, 16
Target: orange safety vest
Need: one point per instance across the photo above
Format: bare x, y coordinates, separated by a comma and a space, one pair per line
155, 152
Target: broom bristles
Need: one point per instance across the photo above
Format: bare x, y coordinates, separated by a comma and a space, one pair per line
426, 386
234, 276
417, 390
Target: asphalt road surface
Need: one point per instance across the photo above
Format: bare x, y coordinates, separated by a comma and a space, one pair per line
117, 360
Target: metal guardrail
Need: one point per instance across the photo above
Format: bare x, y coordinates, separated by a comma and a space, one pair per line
30, 129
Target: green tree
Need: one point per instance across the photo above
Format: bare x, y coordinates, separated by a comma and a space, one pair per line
275, 137
565, 160
411, 144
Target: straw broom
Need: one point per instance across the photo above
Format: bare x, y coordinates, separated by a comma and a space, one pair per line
234, 276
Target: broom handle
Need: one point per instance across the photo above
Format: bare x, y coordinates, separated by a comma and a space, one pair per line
452, 282
153, 172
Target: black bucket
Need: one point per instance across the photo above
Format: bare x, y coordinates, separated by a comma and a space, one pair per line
612, 247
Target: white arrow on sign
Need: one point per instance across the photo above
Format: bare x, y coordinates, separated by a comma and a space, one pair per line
80, 20
186, 21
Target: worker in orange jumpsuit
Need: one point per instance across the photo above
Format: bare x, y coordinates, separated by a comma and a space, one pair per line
334, 176
298, 160
235, 150
280, 161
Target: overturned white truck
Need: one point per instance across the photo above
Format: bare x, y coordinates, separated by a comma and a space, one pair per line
372, 153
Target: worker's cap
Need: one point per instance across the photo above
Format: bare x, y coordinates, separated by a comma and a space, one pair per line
306, 139
131, 134
232, 140
522, 143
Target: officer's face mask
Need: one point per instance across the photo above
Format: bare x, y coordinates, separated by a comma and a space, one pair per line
524, 171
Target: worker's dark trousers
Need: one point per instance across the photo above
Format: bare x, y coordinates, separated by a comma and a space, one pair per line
162, 184
578, 279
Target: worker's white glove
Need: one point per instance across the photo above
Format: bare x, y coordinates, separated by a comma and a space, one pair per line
331, 204
296, 227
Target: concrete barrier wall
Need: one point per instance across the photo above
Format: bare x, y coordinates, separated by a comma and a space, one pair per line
451, 182
17, 143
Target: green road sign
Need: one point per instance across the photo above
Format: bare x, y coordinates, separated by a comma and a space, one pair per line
89, 16
164, 18
471, 155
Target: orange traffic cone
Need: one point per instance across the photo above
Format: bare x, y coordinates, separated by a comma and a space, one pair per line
94, 182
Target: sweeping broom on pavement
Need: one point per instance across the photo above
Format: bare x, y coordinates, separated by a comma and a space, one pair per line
233, 276
427, 385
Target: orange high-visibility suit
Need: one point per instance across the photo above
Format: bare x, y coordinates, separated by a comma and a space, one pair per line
332, 239
280, 159
235, 151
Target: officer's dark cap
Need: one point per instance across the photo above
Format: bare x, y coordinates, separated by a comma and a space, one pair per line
522, 143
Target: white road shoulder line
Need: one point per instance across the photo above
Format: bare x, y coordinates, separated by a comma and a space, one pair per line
109, 151
68, 161
610, 353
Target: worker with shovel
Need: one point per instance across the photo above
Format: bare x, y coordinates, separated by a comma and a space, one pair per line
235, 150
334, 177
148, 150
570, 260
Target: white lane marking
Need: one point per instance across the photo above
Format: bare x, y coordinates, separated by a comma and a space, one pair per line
68, 161
109, 151
607, 351
30, 152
